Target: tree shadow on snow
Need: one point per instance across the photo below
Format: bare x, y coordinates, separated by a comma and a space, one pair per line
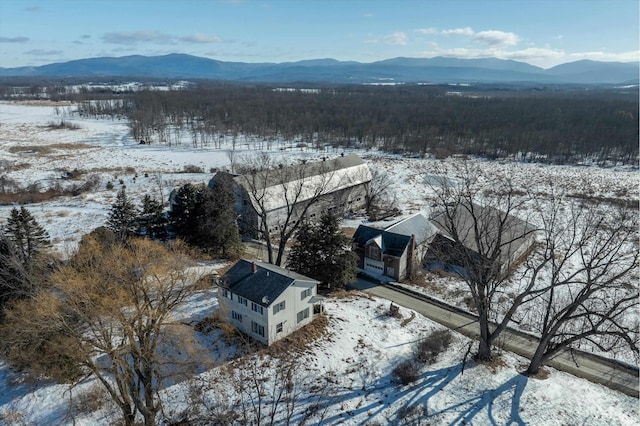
513, 388
428, 384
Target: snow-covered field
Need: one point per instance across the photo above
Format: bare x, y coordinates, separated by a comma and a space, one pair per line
362, 345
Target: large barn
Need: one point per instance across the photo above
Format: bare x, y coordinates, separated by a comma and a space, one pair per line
267, 199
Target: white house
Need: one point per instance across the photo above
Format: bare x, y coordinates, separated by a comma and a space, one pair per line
267, 302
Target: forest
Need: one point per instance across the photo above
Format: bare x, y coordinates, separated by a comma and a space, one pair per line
556, 124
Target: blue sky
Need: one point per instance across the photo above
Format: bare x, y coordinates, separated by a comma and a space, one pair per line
541, 32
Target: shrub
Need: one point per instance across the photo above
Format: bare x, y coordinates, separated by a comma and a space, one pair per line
406, 372
90, 400
191, 168
428, 349
109, 185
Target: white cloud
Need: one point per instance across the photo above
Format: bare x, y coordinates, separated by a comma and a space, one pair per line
201, 38
138, 37
368, 15
397, 39
429, 30
496, 38
466, 31
631, 56
533, 53
537, 56
41, 52
19, 39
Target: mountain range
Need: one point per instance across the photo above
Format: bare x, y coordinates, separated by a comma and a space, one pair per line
396, 70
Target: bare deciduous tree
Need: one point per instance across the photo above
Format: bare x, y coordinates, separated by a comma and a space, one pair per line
585, 267
282, 195
377, 192
109, 312
484, 240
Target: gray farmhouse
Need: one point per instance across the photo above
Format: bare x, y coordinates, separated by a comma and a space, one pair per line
266, 200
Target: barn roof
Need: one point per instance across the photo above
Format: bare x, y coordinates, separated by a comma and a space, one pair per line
263, 286
275, 188
515, 231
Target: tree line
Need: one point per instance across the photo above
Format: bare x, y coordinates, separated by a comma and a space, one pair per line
559, 126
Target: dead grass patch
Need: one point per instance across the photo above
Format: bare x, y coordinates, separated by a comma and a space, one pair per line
543, 373
348, 231
407, 320
30, 149
301, 340
48, 149
494, 364
71, 146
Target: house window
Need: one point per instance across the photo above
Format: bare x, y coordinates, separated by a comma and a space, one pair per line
236, 316
242, 300
374, 252
279, 327
302, 315
257, 328
228, 294
256, 308
279, 307
306, 293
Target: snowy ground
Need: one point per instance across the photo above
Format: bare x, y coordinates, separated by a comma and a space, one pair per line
31, 152
361, 347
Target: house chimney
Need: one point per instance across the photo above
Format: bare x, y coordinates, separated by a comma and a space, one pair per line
254, 267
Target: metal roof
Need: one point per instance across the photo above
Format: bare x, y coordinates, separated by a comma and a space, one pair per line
417, 225
275, 186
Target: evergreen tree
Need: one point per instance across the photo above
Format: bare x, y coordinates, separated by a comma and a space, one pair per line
150, 219
21, 244
15, 280
123, 216
204, 217
184, 211
322, 252
217, 225
26, 234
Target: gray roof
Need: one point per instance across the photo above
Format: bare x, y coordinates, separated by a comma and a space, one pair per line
393, 244
515, 231
396, 237
417, 225
263, 286
278, 176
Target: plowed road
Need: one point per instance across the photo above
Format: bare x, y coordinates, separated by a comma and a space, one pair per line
596, 369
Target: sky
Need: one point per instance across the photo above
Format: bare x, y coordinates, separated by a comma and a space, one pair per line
544, 33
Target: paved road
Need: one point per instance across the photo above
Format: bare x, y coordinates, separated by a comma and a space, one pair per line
590, 367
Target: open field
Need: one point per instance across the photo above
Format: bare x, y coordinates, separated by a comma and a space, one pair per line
362, 344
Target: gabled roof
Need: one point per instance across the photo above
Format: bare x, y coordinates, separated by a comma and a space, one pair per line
393, 244
263, 286
394, 238
417, 225
275, 186
515, 231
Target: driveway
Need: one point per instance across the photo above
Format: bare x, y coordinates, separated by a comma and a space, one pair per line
581, 364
